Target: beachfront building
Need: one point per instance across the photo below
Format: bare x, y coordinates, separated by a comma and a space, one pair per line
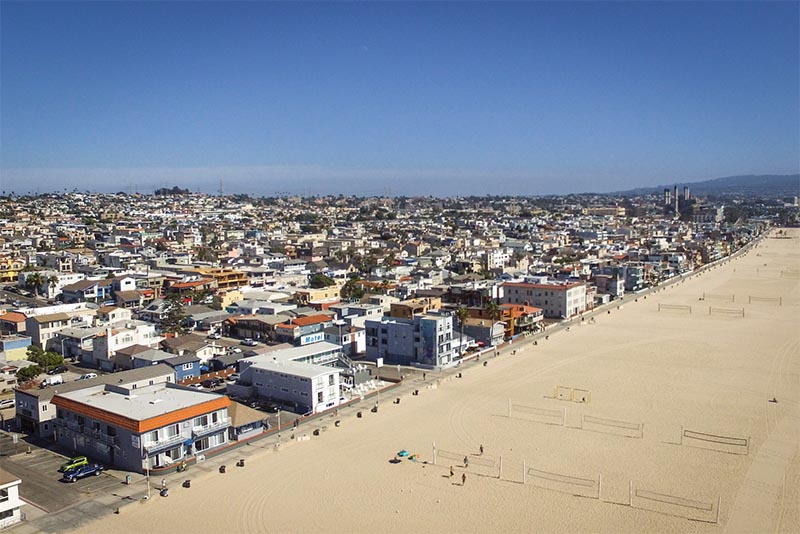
303, 330
10, 501
139, 428
556, 299
424, 339
35, 413
306, 378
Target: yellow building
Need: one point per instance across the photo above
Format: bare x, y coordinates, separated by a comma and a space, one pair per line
10, 269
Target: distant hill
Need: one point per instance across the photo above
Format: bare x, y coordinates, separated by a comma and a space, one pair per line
766, 185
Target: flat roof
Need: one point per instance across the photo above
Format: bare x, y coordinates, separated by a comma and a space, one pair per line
306, 370
124, 377
296, 353
140, 403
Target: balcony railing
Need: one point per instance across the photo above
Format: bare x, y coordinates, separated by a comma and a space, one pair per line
204, 430
164, 443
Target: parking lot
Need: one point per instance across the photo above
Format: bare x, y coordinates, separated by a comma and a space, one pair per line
42, 481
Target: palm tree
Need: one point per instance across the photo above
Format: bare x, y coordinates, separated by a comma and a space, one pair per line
461, 314
34, 281
52, 281
493, 311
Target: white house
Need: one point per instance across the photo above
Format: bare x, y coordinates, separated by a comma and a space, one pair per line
10, 502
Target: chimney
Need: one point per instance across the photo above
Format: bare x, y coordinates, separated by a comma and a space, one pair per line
666, 197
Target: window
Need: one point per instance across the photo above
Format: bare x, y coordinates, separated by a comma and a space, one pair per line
319, 396
171, 431
3, 494
331, 380
44, 409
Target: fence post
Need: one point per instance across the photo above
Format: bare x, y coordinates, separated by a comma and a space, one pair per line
524, 472
434, 453
630, 493
719, 502
500, 471
509, 407
600, 486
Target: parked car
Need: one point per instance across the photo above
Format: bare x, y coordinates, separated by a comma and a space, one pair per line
271, 407
83, 471
214, 335
59, 369
87, 376
74, 463
234, 377
7, 403
196, 386
248, 342
234, 350
211, 383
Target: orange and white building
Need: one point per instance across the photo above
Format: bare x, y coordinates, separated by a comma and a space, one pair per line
139, 428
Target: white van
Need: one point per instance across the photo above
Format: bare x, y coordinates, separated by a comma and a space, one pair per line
52, 381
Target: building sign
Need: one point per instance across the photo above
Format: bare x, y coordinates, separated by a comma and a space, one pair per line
135, 442
312, 338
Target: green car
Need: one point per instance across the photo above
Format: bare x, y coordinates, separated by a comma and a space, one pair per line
74, 462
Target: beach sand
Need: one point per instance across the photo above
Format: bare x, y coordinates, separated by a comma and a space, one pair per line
667, 370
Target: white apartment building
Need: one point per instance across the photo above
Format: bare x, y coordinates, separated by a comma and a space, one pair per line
119, 336
10, 501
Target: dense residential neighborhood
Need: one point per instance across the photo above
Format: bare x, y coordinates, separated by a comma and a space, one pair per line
186, 314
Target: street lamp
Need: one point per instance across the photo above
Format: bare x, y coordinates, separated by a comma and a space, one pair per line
147, 470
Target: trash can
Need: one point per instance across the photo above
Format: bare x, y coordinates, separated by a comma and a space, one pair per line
358, 414
337, 423
316, 431
187, 483
222, 469
128, 479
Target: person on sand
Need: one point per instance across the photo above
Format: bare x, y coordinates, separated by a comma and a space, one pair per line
463, 478
451, 472
481, 449
466, 461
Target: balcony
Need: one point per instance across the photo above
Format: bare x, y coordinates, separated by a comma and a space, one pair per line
165, 443
211, 428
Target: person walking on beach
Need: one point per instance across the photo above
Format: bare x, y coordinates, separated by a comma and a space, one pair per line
463, 478
451, 472
481, 449
163, 483
466, 461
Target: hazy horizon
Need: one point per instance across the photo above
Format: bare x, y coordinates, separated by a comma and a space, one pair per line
438, 99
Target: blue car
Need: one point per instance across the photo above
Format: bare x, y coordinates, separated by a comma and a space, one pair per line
73, 475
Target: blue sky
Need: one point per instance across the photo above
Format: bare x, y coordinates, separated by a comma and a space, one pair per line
407, 98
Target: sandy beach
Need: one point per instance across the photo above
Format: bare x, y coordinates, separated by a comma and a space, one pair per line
641, 453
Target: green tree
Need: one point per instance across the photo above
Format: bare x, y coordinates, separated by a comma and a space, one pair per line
493, 310
352, 289
44, 359
319, 281
175, 315
28, 373
52, 282
34, 281
461, 314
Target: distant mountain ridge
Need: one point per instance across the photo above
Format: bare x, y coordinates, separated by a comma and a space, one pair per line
765, 185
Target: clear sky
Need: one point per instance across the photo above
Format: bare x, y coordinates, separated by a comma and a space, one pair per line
401, 98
